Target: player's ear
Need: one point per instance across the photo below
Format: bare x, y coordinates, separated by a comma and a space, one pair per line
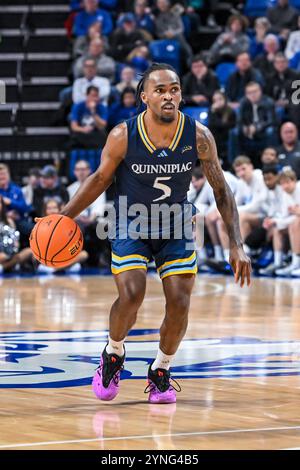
144, 97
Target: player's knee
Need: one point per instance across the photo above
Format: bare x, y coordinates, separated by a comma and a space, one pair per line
179, 304
131, 297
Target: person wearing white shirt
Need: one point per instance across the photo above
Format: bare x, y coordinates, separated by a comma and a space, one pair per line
293, 44
286, 222
250, 195
81, 85
96, 209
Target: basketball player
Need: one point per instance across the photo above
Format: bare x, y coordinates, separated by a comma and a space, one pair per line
152, 157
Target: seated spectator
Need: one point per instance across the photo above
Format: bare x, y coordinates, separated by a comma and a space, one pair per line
250, 195
126, 109
128, 80
279, 83
293, 44
262, 27
89, 15
12, 196
90, 78
125, 38
286, 224
199, 84
81, 44
88, 121
245, 73
221, 118
32, 183
138, 59
143, 17
283, 18
289, 150
169, 25
232, 42
256, 122
105, 65
10, 253
49, 187
54, 206
265, 61
89, 219
269, 157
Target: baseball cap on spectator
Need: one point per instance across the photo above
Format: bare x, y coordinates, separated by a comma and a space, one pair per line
49, 171
126, 18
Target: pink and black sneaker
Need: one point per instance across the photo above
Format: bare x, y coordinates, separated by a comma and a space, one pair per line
159, 387
107, 377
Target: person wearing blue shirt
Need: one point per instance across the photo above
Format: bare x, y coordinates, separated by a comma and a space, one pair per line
88, 121
89, 15
126, 109
142, 17
12, 195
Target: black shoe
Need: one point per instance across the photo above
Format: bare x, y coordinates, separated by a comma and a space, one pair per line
112, 365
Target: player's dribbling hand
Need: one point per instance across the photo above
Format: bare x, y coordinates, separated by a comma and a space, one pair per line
241, 265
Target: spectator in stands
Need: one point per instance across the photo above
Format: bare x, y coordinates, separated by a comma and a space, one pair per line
54, 206
286, 223
12, 196
232, 42
105, 65
138, 59
265, 61
49, 187
269, 157
125, 38
96, 209
88, 121
221, 118
199, 84
256, 122
128, 79
143, 17
261, 26
81, 44
81, 85
293, 44
250, 195
289, 150
169, 25
32, 183
245, 73
279, 83
89, 15
283, 18
125, 109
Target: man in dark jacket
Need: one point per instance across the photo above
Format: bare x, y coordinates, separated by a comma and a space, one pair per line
256, 122
199, 85
279, 84
283, 17
49, 188
289, 150
245, 73
125, 38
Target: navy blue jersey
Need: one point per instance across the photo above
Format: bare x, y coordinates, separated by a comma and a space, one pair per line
150, 175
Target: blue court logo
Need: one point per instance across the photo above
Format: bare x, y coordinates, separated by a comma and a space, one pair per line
69, 358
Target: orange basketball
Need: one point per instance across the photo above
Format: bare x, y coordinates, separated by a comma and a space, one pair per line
56, 240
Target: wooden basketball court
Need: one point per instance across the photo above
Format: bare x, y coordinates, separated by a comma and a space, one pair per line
239, 367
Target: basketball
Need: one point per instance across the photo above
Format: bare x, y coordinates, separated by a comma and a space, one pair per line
56, 240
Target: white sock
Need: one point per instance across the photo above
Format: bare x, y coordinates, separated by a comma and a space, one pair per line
226, 254
278, 255
115, 347
296, 260
218, 252
162, 361
201, 255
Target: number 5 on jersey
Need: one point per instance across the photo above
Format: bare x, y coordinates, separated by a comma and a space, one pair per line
163, 187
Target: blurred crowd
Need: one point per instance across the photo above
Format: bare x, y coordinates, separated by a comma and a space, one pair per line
244, 87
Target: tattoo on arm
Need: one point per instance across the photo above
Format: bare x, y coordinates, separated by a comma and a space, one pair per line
207, 153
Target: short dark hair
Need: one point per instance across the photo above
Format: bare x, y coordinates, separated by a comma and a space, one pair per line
198, 173
253, 84
270, 169
92, 88
199, 58
153, 68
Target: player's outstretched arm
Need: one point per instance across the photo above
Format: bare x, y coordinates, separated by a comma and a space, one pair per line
207, 153
113, 153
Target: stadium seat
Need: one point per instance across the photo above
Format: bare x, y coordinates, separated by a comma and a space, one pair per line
295, 4
167, 51
198, 112
92, 156
255, 8
223, 70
